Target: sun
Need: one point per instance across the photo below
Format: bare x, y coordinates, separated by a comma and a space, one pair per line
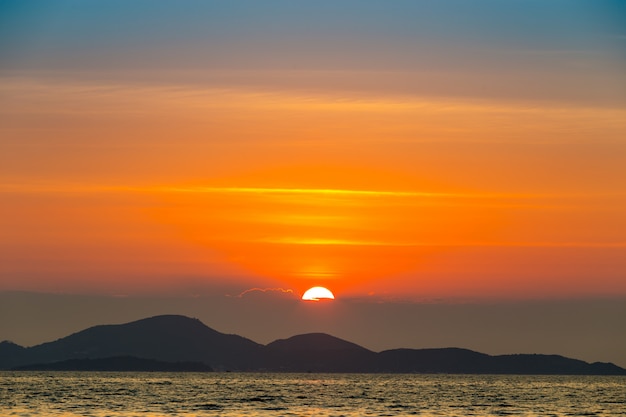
318, 293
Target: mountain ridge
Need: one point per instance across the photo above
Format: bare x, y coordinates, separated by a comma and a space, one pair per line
117, 364
171, 339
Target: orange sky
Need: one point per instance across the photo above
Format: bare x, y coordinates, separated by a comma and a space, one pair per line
381, 164
392, 196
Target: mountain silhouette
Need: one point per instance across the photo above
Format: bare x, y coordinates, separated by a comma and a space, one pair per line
163, 341
167, 338
445, 360
118, 364
12, 354
317, 352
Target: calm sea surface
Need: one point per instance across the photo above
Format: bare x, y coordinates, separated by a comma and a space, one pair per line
240, 394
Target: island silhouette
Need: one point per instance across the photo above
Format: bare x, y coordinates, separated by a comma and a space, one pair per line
180, 343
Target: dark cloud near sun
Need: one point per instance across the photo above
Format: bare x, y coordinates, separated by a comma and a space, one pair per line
265, 291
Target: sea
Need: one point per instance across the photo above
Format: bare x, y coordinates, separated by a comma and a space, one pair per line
126, 394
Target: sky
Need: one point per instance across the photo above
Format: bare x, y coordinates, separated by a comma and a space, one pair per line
447, 163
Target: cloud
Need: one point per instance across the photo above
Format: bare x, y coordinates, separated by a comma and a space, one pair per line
265, 290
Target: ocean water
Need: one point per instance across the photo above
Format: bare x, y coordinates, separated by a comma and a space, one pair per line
72, 394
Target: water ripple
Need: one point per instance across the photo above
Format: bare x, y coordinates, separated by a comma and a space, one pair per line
73, 394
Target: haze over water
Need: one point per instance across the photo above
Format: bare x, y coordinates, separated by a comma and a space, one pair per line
72, 394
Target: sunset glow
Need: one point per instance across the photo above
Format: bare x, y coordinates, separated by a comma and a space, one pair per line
287, 164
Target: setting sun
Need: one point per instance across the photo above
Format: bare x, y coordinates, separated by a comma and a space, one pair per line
318, 293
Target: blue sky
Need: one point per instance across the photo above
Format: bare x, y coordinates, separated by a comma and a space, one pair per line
115, 34
562, 51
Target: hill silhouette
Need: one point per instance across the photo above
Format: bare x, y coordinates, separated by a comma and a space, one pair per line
12, 354
161, 341
166, 338
118, 364
317, 352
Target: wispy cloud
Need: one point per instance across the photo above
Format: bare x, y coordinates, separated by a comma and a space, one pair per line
86, 188
265, 290
389, 243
